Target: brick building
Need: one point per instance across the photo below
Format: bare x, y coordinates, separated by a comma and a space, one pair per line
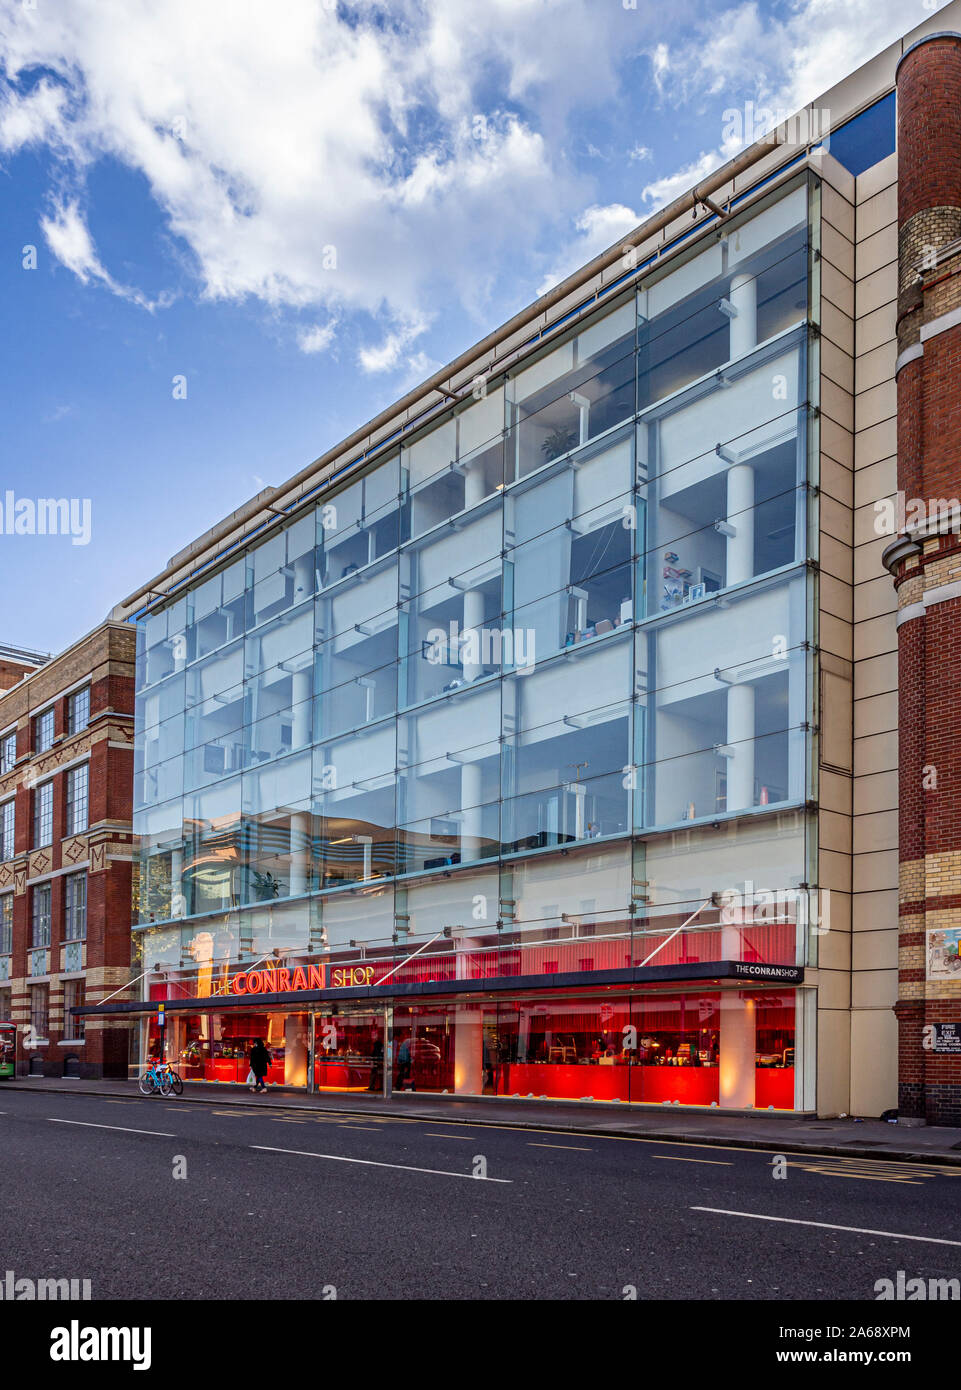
925, 561
17, 662
66, 754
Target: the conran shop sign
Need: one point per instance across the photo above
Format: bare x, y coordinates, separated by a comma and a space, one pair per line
286, 981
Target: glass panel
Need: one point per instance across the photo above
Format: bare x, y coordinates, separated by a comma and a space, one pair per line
350, 1052
454, 632
282, 571
161, 644
566, 758
727, 737
356, 702
218, 611
575, 393
213, 833
354, 793
449, 755
359, 524
365, 918
424, 1047
755, 868
356, 602
562, 1048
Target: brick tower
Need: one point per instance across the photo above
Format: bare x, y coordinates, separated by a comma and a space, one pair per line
925, 562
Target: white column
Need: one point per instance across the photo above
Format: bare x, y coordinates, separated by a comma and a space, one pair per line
743, 297
578, 791
299, 851
470, 777
464, 946
740, 735
740, 517
473, 623
731, 934
300, 700
178, 906
368, 844
470, 795
740, 698
737, 1051
468, 1051
473, 484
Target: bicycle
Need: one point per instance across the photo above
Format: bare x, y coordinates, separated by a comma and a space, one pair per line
161, 1078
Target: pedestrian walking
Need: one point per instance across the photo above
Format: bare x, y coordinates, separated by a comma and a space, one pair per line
259, 1065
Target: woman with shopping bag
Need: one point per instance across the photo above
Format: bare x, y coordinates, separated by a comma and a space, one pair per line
259, 1064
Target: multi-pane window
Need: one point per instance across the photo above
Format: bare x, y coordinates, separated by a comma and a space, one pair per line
6, 1003
43, 731
73, 998
41, 915
6, 924
8, 753
43, 815
7, 812
77, 781
40, 1010
78, 710
75, 907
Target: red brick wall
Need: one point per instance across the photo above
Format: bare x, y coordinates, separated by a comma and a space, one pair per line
106, 658
929, 108
929, 641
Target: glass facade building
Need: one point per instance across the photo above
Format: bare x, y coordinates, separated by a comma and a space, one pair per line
491, 769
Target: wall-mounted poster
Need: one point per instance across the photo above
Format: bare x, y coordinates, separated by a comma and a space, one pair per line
944, 954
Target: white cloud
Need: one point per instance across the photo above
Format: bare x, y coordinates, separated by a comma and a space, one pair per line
661, 65
596, 230
391, 351
69, 239
383, 162
317, 338
311, 162
660, 192
777, 60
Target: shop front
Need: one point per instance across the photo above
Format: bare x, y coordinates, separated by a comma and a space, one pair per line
729, 1046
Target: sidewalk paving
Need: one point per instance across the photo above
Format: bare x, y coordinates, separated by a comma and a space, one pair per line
788, 1133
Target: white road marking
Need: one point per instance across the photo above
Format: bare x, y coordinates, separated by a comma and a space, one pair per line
574, 1148
676, 1158
829, 1226
87, 1124
372, 1163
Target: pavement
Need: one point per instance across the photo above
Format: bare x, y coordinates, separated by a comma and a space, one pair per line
847, 1136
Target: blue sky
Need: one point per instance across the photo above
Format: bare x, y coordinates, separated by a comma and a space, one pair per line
302, 210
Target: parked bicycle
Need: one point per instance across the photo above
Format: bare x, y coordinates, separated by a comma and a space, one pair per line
160, 1079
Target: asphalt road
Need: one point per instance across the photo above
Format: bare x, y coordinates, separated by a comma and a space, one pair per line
277, 1205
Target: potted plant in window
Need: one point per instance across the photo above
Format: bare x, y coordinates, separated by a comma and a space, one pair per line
560, 439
